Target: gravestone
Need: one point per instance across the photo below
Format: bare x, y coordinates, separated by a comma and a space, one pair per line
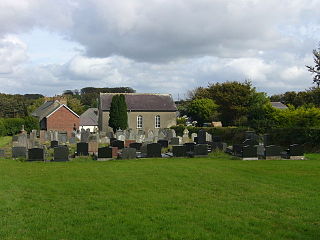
43, 136
201, 150
2, 153
140, 136
189, 146
23, 140
237, 150
105, 140
19, 152
249, 152
135, 145
153, 150
193, 136
163, 143
174, 141
61, 153
72, 140
93, 147
112, 140
82, 149
54, 144
179, 151
128, 153
14, 138
143, 148
117, 143
201, 138
84, 136
36, 154
296, 150
161, 135
266, 140
56, 136
63, 137
272, 152
208, 137
218, 146
150, 136
104, 152
185, 137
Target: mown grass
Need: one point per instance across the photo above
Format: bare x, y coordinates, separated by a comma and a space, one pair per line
199, 198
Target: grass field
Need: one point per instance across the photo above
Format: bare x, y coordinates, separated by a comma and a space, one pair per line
204, 198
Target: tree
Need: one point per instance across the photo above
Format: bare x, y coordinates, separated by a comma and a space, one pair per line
202, 110
315, 70
118, 117
75, 104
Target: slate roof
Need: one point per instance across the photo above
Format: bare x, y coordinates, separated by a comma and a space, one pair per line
278, 105
141, 102
46, 109
89, 117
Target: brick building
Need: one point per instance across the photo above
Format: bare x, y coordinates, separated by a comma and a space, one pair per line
54, 115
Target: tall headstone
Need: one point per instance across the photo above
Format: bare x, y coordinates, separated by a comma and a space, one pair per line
153, 150
43, 136
128, 153
82, 149
23, 140
201, 138
93, 147
61, 153
185, 137
193, 136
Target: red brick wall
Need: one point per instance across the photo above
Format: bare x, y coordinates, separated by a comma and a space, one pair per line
62, 120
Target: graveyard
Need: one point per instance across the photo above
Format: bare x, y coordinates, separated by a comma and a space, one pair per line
134, 185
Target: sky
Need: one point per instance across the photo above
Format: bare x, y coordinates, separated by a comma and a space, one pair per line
156, 46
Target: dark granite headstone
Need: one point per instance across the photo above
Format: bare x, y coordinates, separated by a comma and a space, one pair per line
82, 149
237, 150
128, 153
200, 150
105, 152
296, 150
174, 141
163, 143
61, 153
179, 151
118, 143
189, 146
201, 138
19, 152
249, 152
135, 145
54, 144
153, 150
272, 151
266, 139
36, 154
218, 146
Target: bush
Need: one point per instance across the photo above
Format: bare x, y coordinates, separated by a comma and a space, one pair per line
229, 135
12, 126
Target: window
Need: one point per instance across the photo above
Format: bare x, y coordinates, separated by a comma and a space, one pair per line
139, 121
157, 121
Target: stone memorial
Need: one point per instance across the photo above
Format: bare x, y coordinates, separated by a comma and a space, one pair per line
153, 150
200, 150
163, 143
61, 153
54, 144
82, 149
117, 143
201, 138
249, 152
135, 145
179, 151
43, 136
63, 137
189, 146
36, 154
104, 153
19, 152
174, 141
193, 136
128, 153
93, 147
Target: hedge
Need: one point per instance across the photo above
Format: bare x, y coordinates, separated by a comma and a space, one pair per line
12, 126
229, 135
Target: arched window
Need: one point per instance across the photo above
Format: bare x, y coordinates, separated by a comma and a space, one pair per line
139, 121
157, 121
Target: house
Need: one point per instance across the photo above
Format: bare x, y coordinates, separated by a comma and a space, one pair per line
145, 111
89, 119
278, 105
56, 115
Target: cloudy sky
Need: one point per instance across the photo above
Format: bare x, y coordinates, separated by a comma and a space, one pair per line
161, 46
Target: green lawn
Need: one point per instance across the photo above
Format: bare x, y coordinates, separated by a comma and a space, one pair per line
204, 198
